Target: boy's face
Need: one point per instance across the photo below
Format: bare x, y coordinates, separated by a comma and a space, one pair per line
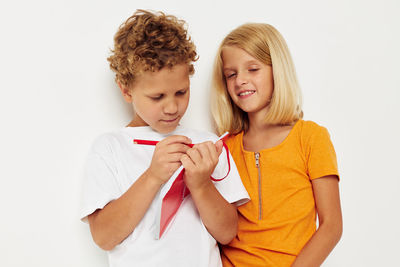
160, 98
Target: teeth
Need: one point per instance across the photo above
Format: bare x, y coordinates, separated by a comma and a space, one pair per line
246, 93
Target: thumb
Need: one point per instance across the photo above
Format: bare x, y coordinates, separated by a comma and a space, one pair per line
219, 146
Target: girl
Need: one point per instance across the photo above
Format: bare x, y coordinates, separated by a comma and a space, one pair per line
287, 165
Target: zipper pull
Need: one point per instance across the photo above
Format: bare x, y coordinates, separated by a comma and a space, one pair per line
257, 156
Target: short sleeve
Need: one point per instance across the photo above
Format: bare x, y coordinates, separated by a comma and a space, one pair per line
321, 155
231, 187
100, 184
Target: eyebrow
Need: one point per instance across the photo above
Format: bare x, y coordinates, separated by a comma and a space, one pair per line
163, 93
249, 62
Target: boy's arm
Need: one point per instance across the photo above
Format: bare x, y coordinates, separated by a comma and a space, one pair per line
113, 223
219, 216
326, 194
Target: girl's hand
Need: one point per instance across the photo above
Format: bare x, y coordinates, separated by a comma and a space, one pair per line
166, 157
199, 163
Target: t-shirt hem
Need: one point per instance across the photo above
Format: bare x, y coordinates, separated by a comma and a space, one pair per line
335, 173
92, 208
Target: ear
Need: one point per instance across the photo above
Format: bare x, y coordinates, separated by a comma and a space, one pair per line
126, 92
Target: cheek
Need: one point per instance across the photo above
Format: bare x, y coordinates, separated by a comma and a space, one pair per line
231, 89
145, 108
268, 80
184, 102
137, 105
265, 85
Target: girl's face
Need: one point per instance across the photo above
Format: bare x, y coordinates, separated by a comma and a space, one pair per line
160, 98
250, 82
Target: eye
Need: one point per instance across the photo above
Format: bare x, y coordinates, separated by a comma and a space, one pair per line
230, 75
253, 69
181, 92
158, 97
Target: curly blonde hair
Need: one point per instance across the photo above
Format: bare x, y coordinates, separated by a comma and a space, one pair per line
149, 41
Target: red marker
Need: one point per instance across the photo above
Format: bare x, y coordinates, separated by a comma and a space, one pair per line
150, 142
153, 143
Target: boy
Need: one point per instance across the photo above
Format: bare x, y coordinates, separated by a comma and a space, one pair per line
153, 59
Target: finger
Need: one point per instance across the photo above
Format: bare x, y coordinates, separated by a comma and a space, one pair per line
174, 157
194, 155
177, 148
186, 161
214, 152
177, 139
207, 151
219, 145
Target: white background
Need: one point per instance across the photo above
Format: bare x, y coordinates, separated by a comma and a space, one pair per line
58, 94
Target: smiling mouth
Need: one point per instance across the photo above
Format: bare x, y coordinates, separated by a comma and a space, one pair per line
246, 93
171, 120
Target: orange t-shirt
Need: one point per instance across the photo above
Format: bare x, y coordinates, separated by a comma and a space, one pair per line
280, 218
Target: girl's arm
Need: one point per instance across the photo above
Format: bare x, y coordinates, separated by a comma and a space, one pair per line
327, 200
219, 216
113, 223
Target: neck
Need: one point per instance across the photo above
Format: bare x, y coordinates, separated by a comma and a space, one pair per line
257, 121
136, 122
263, 135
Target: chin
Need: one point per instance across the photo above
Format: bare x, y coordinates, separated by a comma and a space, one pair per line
248, 109
165, 130
253, 108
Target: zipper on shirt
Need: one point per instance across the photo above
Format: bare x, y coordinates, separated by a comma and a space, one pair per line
257, 156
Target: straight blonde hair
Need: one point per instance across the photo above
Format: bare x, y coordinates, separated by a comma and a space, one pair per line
266, 44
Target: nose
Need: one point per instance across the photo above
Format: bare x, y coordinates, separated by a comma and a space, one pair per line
171, 107
241, 79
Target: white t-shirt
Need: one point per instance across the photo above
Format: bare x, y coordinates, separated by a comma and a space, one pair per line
115, 162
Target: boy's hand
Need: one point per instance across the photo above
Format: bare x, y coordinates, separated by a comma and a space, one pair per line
199, 163
166, 157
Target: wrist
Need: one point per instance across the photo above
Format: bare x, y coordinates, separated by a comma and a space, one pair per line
202, 187
153, 179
